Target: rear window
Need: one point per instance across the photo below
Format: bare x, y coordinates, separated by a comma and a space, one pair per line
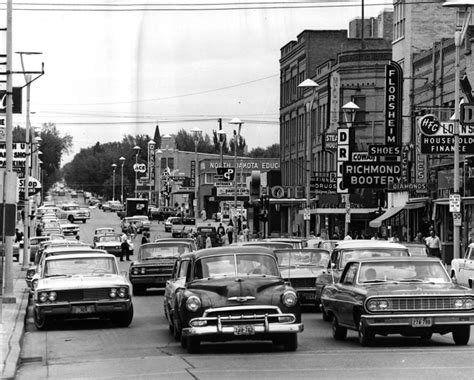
349, 254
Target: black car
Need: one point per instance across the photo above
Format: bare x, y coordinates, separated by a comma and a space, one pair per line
235, 293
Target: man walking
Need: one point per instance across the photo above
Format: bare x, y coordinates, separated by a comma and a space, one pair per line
434, 244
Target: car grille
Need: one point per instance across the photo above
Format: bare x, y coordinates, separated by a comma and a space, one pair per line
405, 304
159, 270
302, 282
242, 315
82, 294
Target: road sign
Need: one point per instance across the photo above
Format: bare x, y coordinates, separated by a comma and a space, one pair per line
457, 219
139, 168
454, 203
226, 173
306, 214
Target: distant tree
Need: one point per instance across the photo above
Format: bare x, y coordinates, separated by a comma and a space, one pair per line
157, 136
185, 142
272, 151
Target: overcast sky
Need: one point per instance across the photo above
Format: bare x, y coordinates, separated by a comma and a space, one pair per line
126, 67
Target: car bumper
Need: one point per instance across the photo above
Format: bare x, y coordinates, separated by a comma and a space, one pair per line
78, 309
270, 329
406, 320
149, 280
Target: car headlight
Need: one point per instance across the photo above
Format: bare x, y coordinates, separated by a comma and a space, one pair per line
122, 292
193, 303
378, 305
113, 293
135, 271
463, 303
289, 298
143, 271
52, 296
43, 297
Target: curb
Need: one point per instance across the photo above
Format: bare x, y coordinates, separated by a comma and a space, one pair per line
15, 343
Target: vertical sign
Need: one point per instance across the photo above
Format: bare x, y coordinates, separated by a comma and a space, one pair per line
151, 160
343, 155
193, 173
335, 85
393, 103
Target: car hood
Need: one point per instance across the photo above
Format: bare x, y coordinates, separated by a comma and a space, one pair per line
251, 290
415, 289
301, 272
81, 282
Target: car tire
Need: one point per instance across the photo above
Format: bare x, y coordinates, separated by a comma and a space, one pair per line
84, 221
71, 218
123, 319
139, 290
325, 315
366, 336
41, 322
338, 332
461, 335
192, 345
290, 342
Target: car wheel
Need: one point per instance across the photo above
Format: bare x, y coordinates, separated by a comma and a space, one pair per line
84, 221
41, 322
71, 218
461, 335
325, 315
290, 342
338, 332
123, 319
139, 290
192, 344
366, 336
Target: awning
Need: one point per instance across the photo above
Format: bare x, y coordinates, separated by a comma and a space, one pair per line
412, 205
377, 222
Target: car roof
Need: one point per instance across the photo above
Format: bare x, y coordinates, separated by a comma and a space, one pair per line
367, 244
397, 258
230, 250
301, 250
182, 240
92, 255
275, 244
57, 252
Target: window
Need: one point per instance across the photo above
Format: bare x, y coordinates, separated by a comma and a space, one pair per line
351, 272
360, 114
399, 20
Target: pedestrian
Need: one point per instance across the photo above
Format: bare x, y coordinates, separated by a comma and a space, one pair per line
246, 232
239, 225
220, 230
434, 244
208, 241
419, 238
203, 214
145, 238
230, 232
39, 230
124, 248
18, 235
348, 236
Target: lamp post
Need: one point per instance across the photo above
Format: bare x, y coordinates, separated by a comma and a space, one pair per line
197, 133
136, 148
122, 161
114, 166
308, 83
238, 122
459, 34
349, 110
158, 153
222, 135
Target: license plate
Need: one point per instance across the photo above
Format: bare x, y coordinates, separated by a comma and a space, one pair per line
244, 330
421, 322
83, 309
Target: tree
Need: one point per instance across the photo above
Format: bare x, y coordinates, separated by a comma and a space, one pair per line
157, 136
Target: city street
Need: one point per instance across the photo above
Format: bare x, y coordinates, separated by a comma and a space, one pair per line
146, 350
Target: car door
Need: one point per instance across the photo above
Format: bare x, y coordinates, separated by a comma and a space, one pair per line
345, 295
463, 272
468, 270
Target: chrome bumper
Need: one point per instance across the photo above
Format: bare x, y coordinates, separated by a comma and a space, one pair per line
66, 308
405, 319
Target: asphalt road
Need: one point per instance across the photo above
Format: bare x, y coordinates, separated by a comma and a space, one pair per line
146, 350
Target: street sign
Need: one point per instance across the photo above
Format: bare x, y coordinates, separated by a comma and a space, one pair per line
457, 219
139, 168
34, 186
454, 203
306, 214
226, 173
467, 114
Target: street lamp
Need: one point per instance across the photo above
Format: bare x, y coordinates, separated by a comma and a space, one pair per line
114, 166
221, 135
349, 110
122, 161
459, 34
197, 133
238, 122
308, 83
136, 148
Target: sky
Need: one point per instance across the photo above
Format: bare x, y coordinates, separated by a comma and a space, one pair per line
117, 67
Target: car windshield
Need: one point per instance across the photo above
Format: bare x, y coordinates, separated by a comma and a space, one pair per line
417, 250
79, 266
302, 258
403, 271
103, 230
70, 208
113, 238
236, 265
150, 252
362, 253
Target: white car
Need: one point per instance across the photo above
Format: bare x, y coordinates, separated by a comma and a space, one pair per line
463, 269
68, 228
82, 286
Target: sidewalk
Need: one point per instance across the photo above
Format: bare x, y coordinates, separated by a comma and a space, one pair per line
12, 324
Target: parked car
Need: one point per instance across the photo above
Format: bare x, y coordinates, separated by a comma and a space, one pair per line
141, 222
411, 296
202, 231
462, 270
68, 228
112, 243
351, 249
51, 227
300, 267
236, 293
154, 264
170, 221
74, 212
295, 242
35, 244
113, 206
82, 286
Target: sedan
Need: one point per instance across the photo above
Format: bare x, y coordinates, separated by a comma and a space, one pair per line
411, 296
